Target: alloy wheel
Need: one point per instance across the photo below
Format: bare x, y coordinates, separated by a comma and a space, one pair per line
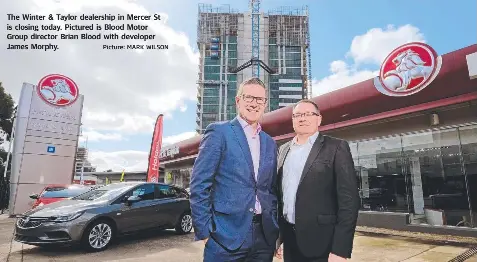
186, 223
100, 236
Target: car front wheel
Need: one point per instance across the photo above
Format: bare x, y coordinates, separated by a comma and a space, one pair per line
98, 236
184, 225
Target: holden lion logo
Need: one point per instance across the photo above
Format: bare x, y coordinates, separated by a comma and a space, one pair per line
408, 69
57, 90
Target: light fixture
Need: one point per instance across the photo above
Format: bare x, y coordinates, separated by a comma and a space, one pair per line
434, 119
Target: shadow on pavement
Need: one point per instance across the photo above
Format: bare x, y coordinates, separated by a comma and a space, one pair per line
128, 246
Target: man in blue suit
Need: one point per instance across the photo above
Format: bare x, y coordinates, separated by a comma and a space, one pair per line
233, 198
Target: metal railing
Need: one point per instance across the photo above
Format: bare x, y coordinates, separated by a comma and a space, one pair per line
466, 255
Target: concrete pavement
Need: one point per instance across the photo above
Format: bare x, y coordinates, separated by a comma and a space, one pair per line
168, 247
367, 248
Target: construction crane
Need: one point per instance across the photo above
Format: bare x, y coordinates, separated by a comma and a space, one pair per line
308, 54
255, 61
255, 8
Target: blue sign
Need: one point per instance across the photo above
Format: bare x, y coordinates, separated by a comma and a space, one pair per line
51, 149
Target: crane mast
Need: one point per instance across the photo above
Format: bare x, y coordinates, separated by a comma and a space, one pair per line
255, 10
255, 61
308, 54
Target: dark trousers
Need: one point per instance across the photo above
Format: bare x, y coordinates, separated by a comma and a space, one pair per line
291, 252
255, 247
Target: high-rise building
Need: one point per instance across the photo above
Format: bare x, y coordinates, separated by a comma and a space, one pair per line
82, 161
224, 38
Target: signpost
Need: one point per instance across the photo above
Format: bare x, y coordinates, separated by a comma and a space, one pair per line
48, 118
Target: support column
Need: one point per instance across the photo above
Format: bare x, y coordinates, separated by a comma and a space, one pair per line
364, 183
417, 194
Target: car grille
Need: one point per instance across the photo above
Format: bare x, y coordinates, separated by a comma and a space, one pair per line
26, 239
30, 222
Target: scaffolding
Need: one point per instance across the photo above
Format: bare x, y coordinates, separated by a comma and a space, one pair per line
216, 21
218, 31
215, 27
290, 27
288, 10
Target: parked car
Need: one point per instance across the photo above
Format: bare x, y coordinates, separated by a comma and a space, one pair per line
54, 193
96, 217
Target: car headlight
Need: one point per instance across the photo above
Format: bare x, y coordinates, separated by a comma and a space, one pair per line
66, 218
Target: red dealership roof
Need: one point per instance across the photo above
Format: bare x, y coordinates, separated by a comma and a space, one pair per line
356, 103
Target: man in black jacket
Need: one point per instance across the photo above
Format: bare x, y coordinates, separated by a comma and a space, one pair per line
318, 199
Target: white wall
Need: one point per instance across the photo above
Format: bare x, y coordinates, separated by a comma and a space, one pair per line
39, 125
472, 65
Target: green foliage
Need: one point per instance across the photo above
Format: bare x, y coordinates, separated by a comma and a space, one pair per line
6, 124
6, 112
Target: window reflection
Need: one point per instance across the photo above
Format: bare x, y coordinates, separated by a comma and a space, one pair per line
382, 183
468, 139
439, 195
431, 174
180, 177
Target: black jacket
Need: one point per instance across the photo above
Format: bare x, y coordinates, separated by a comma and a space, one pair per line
327, 201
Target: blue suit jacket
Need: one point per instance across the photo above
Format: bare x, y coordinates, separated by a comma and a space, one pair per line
223, 186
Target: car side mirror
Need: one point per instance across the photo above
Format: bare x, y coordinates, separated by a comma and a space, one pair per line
132, 199
34, 196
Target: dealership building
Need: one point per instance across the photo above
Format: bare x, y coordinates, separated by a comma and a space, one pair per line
413, 135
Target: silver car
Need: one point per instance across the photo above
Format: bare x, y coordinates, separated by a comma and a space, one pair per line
96, 217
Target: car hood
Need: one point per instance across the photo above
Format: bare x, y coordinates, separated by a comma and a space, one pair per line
49, 200
64, 207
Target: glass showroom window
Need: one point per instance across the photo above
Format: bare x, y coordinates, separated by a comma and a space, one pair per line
382, 181
437, 181
468, 140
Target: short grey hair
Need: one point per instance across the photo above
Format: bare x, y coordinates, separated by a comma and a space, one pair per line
250, 81
309, 101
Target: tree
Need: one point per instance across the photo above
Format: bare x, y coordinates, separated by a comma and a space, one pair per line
3, 160
6, 123
7, 107
6, 126
4, 182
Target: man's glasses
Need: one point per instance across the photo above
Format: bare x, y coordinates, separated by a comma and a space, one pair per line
298, 115
249, 99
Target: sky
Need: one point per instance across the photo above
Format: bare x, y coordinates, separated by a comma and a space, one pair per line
126, 90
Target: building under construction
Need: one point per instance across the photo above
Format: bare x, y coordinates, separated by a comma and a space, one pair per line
82, 161
224, 38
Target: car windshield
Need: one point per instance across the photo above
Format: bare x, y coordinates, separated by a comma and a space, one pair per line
63, 192
107, 192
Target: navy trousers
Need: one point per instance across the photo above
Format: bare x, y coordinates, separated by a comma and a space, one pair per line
255, 248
